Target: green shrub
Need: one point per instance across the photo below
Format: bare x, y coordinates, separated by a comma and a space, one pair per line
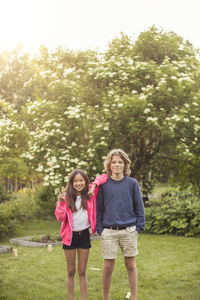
45, 200
7, 218
175, 213
19, 208
25, 205
4, 195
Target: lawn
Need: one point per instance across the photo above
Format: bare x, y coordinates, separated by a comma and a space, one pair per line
168, 267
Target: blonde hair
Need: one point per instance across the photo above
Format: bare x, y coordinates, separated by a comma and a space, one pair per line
124, 157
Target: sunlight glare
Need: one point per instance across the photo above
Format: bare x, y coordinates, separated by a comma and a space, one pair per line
25, 22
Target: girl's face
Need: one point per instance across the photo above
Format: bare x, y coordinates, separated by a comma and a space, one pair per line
79, 184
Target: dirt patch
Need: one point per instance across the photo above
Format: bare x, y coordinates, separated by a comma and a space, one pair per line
46, 239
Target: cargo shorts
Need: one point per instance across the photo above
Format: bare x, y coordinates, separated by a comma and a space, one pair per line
126, 239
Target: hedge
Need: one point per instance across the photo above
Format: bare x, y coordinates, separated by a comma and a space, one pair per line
175, 213
21, 207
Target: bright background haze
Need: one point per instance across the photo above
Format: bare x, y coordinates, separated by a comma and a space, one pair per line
83, 24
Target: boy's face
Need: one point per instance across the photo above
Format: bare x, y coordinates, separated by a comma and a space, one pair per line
117, 165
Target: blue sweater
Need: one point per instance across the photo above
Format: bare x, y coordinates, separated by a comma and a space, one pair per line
120, 203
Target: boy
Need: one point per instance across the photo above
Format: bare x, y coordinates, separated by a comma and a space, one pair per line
120, 217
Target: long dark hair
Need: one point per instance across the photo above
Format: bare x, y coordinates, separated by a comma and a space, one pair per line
71, 192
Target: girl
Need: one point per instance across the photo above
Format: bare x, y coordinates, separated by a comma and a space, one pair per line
77, 212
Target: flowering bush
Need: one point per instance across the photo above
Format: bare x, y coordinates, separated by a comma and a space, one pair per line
142, 96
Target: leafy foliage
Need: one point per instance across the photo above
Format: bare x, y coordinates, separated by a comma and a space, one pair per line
176, 213
19, 208
4, 195
7, 218
45, 200
69, 109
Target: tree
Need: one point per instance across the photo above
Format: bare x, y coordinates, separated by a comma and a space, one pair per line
138, 95
16, 77
140, 92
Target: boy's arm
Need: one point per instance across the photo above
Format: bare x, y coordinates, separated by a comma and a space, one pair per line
139, 208
100, 210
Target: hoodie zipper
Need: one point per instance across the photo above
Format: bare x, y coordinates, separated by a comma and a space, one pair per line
69, 226
91, 215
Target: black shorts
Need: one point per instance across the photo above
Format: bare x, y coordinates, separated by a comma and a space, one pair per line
80, 239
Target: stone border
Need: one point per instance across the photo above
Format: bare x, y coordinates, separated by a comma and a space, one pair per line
5, 249
25, 241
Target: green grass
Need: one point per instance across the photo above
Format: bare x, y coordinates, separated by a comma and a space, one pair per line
168, 268
33, 227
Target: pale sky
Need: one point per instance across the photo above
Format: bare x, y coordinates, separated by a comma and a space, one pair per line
83, 24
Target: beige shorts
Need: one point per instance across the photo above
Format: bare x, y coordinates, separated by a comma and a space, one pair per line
112, 239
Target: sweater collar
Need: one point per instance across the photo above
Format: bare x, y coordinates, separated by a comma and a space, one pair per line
117, 181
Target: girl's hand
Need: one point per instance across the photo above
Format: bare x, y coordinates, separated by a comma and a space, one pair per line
91, 190
61, 196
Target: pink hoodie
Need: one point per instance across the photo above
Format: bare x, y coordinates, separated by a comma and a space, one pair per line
64, 213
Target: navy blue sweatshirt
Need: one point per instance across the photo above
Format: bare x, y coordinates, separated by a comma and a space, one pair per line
120, 203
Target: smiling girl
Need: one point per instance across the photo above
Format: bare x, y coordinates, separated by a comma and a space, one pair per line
77, 212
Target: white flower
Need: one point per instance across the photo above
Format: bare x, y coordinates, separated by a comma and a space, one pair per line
118, 64
56, 124
66, 178
40, 168
46, 177
99, 126
196, 128
152, 119
174, 77
147, 110
186, 120
56, 166
55, 182
176, 117
181, 47
68, 71
102, 143
29, 156
142, 97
